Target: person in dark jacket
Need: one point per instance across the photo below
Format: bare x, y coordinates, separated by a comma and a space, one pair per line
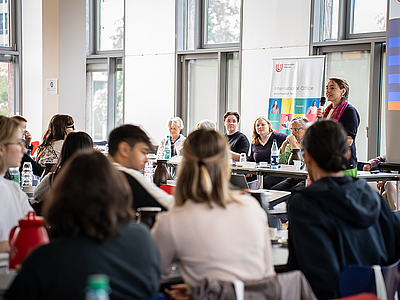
263, 137
338, 220
92, 231
238, 142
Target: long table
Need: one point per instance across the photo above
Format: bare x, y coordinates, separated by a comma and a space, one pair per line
286, 171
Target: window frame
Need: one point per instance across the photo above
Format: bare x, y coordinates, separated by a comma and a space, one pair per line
110, 57
203, 50
375, 43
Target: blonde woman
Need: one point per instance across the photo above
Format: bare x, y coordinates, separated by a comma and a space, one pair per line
13, 202
175, 125
212, 232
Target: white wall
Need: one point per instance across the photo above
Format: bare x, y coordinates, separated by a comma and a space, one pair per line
270, 29
72, 83
150, 64
32, 54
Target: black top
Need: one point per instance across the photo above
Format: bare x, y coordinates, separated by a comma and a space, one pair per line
336, 222
60, 269
350, 119
141, 196
238, 142
263, 153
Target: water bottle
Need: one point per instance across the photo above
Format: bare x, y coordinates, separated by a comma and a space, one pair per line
98, 287
27, 174
167, 148
15, 175
274, 155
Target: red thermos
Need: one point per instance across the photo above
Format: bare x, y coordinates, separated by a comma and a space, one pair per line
26, 237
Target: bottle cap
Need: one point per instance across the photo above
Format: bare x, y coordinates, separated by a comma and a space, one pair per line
98, 281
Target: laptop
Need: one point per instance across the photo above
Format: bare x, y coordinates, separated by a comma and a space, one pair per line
239, 182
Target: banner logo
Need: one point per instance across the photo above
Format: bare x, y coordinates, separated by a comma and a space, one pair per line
279, 67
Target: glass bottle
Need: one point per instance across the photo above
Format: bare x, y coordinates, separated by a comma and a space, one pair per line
274, 155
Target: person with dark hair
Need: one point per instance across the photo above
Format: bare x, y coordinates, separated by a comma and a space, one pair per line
75, 141
37, 169
53, 138
212, 232
13, 202
340, 110
338, 220
238, 142
92, 232
128, 146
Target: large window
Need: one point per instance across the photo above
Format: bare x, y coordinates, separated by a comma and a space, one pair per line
351, 33
104, 72
10, 67
209, 56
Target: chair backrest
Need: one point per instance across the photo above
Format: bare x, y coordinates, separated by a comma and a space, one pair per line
361, 279
168, 188
158, 296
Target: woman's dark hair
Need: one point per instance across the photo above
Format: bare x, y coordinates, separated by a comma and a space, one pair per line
74, 142
89, 198
326, 142
232, 113
343, 84
57, 130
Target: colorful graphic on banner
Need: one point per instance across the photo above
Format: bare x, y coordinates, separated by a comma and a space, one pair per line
394, 56
296, 89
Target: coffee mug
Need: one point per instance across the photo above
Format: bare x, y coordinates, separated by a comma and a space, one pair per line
298, 164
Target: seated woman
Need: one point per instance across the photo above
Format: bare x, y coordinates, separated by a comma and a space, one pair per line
175, 125
92, 232
338, 220
263, 137
74, 142
238, 142
212, 232
13, 202
298, 126
53, 139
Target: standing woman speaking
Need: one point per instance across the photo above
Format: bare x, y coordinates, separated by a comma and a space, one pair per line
337, 92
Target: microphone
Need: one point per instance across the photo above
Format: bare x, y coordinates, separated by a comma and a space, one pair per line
321, 105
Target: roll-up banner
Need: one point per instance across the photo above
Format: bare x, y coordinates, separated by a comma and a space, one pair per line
393, 82
296, 90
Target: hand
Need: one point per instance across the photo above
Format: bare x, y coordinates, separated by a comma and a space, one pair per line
367, 167
293, 141
319, 113
178, 291
28, 137
350, 140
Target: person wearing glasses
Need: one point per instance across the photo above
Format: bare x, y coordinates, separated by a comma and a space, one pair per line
298, 127
59, 127
13, 202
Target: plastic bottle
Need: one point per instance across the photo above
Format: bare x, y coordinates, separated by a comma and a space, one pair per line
98, 287
27, 174
15, 175
167, 148
274, 155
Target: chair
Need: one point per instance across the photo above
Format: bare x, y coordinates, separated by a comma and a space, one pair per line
362, 296
357, 279
168, 188
158, 296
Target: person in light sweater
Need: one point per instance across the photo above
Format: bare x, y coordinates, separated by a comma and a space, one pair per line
13, 202
212, 232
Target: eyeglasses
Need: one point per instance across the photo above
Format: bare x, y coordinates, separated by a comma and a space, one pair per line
20, 142
295, 129
71, 126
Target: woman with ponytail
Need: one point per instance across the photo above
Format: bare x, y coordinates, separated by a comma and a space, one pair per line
212, 232
338, 220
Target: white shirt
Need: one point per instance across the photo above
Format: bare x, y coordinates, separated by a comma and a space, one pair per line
221, 243
166, 200
14, 206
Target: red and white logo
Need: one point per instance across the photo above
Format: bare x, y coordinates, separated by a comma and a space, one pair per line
279, 67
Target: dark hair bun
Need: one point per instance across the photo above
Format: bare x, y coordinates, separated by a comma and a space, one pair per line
336, 163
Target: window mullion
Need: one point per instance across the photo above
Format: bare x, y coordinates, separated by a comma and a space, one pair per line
111, 94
